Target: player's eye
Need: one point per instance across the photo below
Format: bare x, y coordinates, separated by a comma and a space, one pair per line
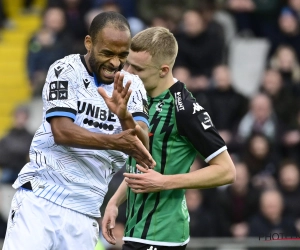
123, 56
106, 54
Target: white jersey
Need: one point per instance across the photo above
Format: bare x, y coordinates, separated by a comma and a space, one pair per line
71, 177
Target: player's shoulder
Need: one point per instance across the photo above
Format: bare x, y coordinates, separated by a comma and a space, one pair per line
69, 64
136, 82
185, 103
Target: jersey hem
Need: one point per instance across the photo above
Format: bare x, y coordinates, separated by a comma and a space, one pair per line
219, 151
156, 243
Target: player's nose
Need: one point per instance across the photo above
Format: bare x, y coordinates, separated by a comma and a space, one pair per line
115, 62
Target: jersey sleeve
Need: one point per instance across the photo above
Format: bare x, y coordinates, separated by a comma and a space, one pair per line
59, 93
194, 123
137, 104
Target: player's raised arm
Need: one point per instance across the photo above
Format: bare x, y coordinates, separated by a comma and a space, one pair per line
118, 103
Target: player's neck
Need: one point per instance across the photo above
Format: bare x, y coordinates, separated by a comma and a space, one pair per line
86, 58
163, 84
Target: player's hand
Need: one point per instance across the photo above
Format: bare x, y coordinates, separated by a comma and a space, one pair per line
129, 143
109, 222
149, 181
117, 103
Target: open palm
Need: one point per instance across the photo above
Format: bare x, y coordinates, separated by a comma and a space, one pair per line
117, 103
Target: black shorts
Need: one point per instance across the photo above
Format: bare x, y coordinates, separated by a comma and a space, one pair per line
130, 245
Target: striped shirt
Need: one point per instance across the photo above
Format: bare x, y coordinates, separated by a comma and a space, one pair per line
71, 177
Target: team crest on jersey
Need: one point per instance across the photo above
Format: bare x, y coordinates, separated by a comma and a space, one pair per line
58, 90
178, 101
159, 106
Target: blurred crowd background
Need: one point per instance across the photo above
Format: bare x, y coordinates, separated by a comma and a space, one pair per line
239, 58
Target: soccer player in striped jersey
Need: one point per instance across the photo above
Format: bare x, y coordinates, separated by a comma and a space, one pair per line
83, 140
157, 215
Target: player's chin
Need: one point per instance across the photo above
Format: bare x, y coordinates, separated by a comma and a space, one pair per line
107, 76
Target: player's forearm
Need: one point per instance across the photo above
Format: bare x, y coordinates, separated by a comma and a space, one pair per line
67, 133
120, 195
209, 177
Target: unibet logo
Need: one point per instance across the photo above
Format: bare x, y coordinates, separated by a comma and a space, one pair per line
95, 112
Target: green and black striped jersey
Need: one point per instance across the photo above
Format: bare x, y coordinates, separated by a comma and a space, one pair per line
179, 129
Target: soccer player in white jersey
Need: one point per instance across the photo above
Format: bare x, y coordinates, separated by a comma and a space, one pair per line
93, 116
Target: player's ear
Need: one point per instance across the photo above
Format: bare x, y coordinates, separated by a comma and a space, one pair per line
164, 70
88, 43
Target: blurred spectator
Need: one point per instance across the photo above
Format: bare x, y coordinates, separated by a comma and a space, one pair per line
14, 147
3, 15
49, 43
75, 11
202, 223
149, 9
285, 61
5, 21
208, 8
261, 160
128, 7
170, 18
227, 22
281, 97
241, 11
254, 17
224, 95
289, 184
136, 25
28, 7
271, 219
288, 32
199, 51
295, 6
237, 203
291, 140
259, 119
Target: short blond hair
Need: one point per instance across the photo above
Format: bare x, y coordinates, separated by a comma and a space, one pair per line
159, 42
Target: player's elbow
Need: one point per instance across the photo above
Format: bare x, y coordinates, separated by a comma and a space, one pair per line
60, 137
230, 174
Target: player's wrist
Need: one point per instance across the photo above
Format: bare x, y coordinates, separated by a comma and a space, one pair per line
170, 182
125, 117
